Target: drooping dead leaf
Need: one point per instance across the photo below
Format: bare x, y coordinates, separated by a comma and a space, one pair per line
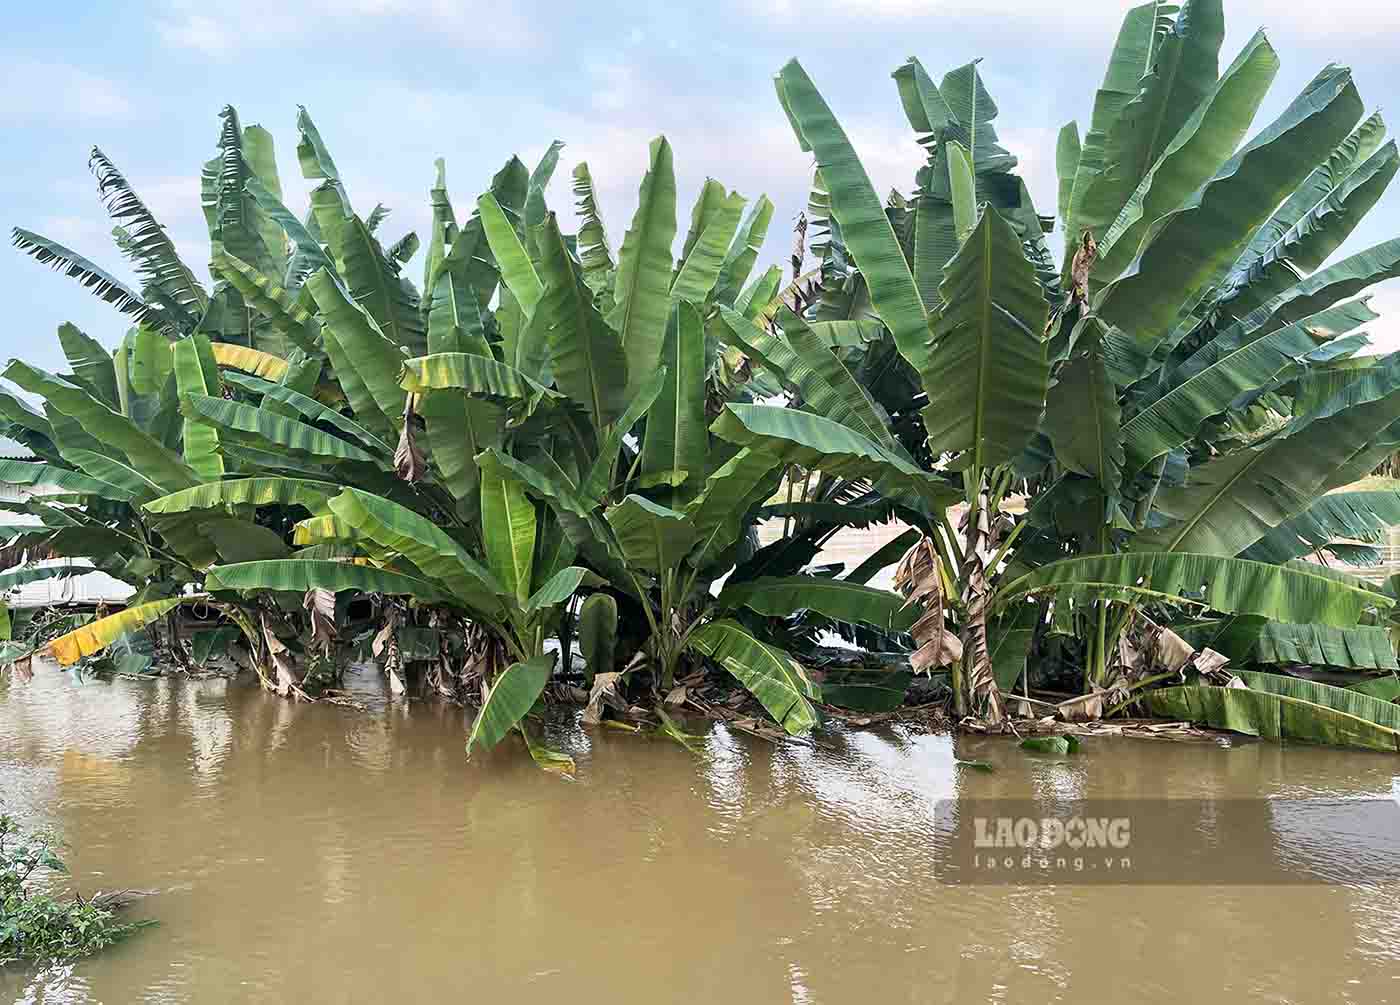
977, 595
386, 644
281, 660
385, 633
604, 694
1169, 650
799, 244
409, 462
1082, 265
22, 668
919, 577
677, 695
320, 604
1129, 655
1083, 708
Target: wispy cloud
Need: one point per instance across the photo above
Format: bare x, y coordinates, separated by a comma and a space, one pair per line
38, 92
256, 24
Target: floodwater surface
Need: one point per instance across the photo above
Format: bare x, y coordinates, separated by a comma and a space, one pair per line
319, 854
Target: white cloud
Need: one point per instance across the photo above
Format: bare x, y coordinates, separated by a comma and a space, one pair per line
614, 86
89, 235
188, 25
1355, 18
195, 31
39, 93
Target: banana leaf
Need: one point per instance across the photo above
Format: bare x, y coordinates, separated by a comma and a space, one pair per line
1271, 716
794, 437
865, 229
510, 699
987, 372
642, 290
428, 547
307, 493
97, 635
1340, 699
1229, 585
834, 598
770, 674
264, 428
297, 575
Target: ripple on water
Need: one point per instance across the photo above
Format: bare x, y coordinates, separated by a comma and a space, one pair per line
316, 853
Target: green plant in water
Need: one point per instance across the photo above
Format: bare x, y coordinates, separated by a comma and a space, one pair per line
1172, 405
36, 925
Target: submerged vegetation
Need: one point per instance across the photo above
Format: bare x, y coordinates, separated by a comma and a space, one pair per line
1113, 467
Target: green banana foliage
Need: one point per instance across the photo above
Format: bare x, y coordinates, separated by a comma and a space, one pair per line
558, 443
1191, 396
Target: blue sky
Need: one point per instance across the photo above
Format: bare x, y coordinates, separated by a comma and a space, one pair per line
392, 84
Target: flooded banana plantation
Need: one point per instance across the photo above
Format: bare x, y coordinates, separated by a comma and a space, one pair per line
316, 853
588, 582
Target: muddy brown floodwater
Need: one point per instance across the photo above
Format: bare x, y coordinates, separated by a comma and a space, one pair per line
315, 854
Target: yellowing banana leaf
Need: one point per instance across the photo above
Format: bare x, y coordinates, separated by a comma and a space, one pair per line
477, 374
550, 760
97, 635
241, 357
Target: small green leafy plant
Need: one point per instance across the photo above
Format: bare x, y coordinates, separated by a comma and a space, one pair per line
35, 924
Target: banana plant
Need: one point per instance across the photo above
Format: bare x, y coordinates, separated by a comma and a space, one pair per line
1161, 400
607, 376
111, 440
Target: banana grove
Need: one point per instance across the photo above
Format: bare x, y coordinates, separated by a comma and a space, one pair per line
1128, 471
